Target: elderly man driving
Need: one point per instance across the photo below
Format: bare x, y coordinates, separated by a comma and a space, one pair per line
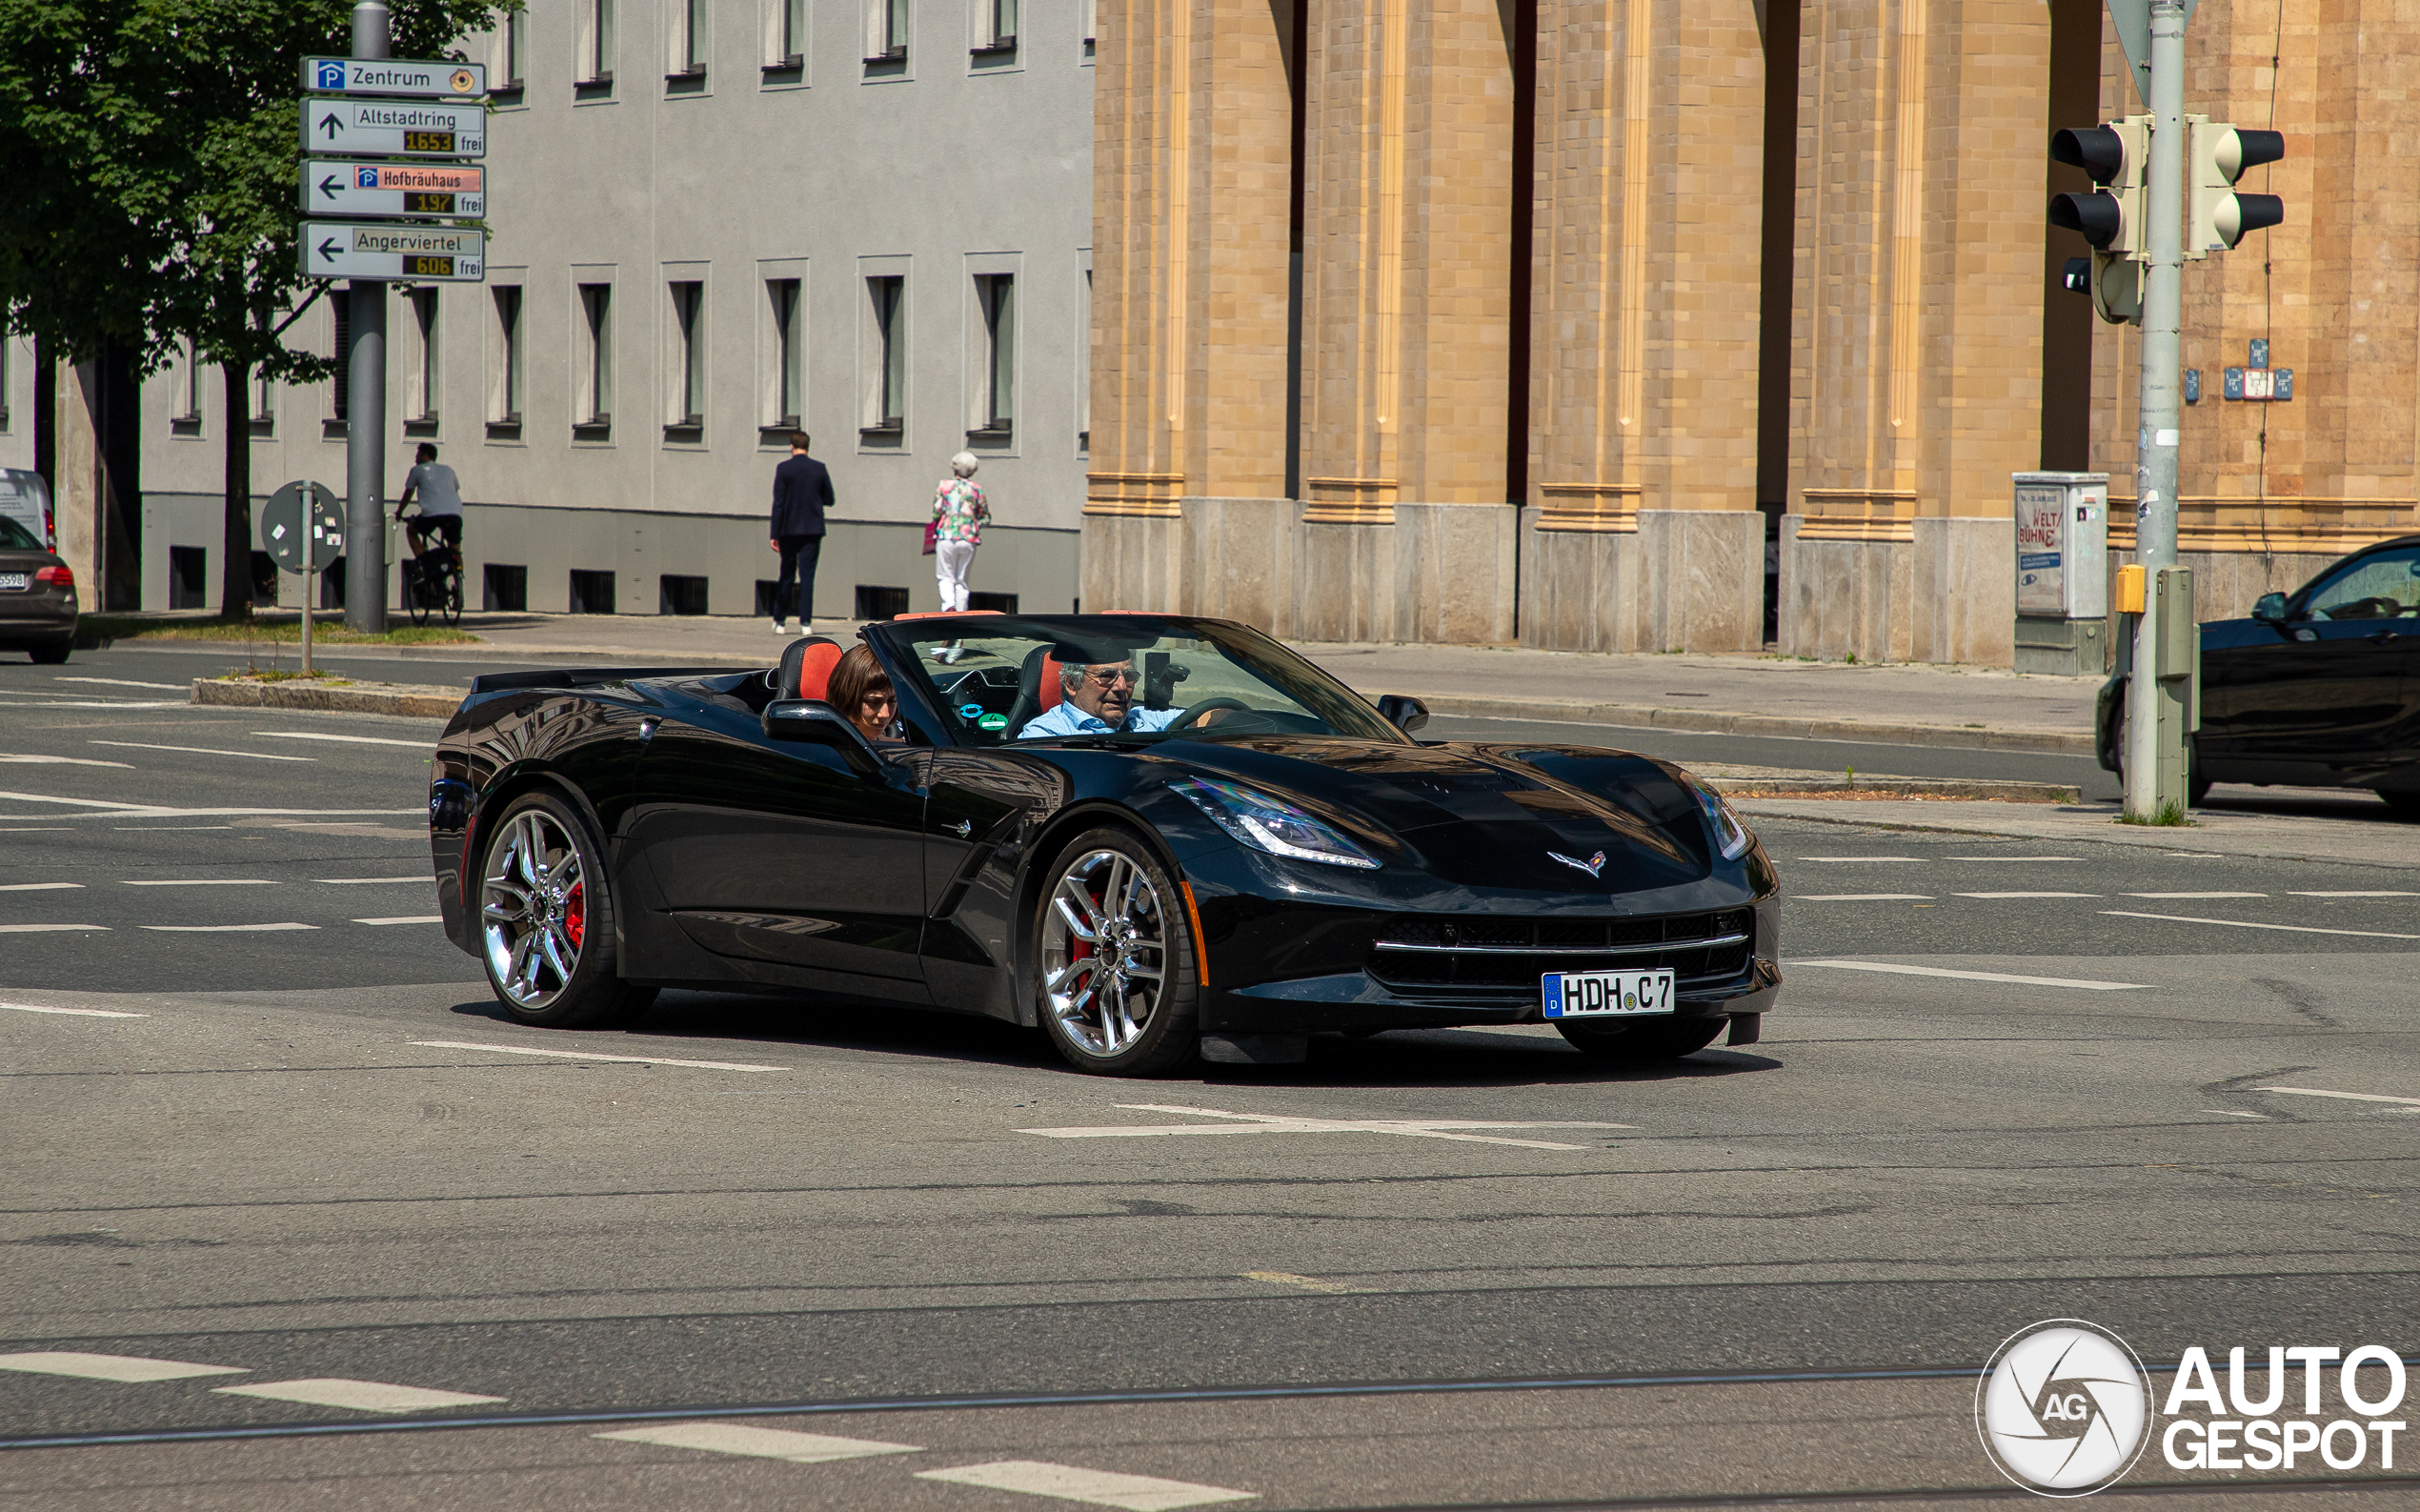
1099, 700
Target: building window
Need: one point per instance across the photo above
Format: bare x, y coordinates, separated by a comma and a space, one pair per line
592, 591
594, 403
504, 393
1084, 363
420, 375
689, 362
786, 348
517, 48
505, 587
886, 354
264, 417
185, 397
996, 358
996, 27
887, 24
596, 43
790, 41
4, 385
688, 39
1090, 16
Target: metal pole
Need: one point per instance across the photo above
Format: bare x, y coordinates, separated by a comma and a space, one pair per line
2155, 444
366, 408
311, 581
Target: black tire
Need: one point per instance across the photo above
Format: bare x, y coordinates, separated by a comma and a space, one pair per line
53, 655
415, 590
2404, 805
542, 897
451, 607
1149, 933
1656, 1038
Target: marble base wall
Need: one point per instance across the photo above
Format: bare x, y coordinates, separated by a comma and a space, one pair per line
1964, 599
1702, 580
1579, 589
1131, 561
1948, 595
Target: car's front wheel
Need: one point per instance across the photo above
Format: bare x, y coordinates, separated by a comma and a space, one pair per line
53, 653
1119, 992
1656, 1038
546, 920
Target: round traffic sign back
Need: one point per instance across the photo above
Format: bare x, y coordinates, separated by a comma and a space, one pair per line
303, 526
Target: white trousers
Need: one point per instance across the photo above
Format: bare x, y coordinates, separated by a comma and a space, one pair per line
952, 560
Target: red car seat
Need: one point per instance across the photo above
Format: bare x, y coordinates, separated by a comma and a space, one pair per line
806, 668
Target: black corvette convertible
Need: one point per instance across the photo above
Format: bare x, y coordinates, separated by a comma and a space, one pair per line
1242, 853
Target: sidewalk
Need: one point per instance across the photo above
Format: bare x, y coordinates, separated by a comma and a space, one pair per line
1740, 694
2353, 827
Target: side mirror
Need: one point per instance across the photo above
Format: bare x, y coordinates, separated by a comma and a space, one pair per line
811, 721
2270, 606
1403, 711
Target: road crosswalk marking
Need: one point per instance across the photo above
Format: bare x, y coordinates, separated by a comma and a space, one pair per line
1290, 1124
2246, 923
2024, 895
1861, 898
223, 929
130, 1368
48, 929
1897, 970
361, 1396
80, 1013
406, 918
767, 1443
585, 1054
1134, 1493
199, 749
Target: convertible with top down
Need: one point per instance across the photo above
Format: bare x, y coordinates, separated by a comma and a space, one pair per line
1245, 854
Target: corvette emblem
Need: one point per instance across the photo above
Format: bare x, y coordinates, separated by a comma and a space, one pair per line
1592, 865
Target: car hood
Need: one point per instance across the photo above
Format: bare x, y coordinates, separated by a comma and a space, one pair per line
1491, 815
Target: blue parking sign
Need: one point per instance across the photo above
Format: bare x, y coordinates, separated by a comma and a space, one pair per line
332, 74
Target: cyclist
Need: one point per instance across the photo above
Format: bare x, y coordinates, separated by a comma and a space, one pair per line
440, 497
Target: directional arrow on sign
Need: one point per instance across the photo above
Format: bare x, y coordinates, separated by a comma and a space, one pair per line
328, 123
329, 249
328, 186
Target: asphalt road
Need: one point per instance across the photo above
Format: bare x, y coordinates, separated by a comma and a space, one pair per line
287, 1139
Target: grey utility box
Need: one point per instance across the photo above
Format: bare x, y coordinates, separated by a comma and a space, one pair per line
2063, 573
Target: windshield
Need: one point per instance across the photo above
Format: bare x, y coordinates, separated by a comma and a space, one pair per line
1036, 678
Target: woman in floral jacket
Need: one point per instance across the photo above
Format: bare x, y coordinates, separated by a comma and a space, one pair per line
958, 513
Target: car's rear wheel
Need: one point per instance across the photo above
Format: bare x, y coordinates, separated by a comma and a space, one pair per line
1118, 990
546, 920
1657, 1038
55, 654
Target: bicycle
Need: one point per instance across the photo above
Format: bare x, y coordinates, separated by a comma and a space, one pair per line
432, 585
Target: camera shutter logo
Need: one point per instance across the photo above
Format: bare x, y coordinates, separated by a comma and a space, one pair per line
2064, 1409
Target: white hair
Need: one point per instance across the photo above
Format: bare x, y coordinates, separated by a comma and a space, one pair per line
964, 464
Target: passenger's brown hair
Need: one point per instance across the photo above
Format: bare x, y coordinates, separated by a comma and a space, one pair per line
854, 675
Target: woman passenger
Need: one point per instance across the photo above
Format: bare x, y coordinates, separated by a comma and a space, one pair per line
862, 691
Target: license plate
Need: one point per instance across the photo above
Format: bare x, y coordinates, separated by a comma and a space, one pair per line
1603, 994
13, 580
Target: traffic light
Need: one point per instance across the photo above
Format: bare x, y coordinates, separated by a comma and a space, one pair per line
2111, 218
2216, 155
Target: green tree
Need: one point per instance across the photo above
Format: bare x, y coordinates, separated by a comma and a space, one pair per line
150, 149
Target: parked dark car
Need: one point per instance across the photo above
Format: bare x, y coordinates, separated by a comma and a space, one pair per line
37, 597
1268, 857
2319, 688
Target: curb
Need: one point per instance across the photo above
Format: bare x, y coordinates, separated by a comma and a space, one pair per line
414, 703
1572, 710
1881, 787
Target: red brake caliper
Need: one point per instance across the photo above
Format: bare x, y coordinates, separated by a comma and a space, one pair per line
576, 913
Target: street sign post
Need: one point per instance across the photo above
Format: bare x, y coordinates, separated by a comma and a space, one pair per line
303, 525
385, 250
444, 191
394, 129
406, 78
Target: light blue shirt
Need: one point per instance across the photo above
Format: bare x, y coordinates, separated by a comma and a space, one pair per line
1068, 720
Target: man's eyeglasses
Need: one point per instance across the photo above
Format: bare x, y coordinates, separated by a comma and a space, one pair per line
1110, 677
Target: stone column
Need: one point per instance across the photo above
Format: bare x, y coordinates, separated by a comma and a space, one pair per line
1644, 329
1917, 322
1193, 116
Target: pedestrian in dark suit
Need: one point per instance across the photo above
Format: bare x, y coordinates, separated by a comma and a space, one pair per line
802, 492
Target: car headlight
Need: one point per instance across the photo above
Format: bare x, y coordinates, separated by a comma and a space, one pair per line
1271, 824
1730, 837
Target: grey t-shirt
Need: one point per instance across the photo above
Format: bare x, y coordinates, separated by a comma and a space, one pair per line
435, 489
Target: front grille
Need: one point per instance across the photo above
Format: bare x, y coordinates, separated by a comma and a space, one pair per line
1463, 955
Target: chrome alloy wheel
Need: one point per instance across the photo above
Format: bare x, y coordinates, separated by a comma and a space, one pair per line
1105, 953
533, 907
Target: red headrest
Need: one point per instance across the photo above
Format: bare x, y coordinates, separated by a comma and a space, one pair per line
1050, 690
806, 667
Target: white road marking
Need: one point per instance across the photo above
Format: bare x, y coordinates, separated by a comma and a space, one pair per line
110, 1367
155, 811
36, 887
38, 829
410, 918
765, 1443
348, 740
1288, 1123
48, 929
80, 1013
583, 1054
1977, 976
223, 929
2012, 858
29, 759
1864, 897
200, 750
2350, 1097
2378, 894
362, 1396
200, 881
1135, 1493
2024, 895
127, 682
2192, 895
1309, 1283
1860, 857
165, 829
2245, 923
2231, 1112
101, 703
356, 881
